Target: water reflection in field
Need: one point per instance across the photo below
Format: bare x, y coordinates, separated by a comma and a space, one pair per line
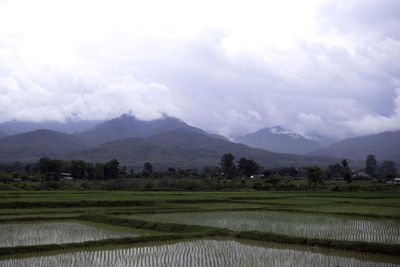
196, 253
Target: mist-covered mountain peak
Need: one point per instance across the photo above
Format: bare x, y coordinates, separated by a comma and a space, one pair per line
279, 139
320, 138
128, 126
278, 130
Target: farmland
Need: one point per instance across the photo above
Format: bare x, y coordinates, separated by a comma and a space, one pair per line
293, 224
125, 228
53, 233
195, 253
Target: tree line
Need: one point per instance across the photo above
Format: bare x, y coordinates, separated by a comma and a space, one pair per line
382, 171
230, 172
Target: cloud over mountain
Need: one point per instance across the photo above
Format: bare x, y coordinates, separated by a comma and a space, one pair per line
232, 68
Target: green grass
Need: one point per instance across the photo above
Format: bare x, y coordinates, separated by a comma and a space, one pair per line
380, 204
359, 201
49, 196
367, 247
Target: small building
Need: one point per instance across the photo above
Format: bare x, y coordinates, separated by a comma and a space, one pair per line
394, 181
361, 176
65, 176
16, 179
259, 176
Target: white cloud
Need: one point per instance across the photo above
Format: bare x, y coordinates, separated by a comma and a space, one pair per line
375, 123
226, 66
104, 98
309, 118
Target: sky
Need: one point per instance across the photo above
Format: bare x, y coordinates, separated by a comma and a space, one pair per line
228, 67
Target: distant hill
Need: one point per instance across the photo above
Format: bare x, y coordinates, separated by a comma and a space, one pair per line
127, 126
385, 146
280, 140
40, 143
187, 149
70, 126
217, 136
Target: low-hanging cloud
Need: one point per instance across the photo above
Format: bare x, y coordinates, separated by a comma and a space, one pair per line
319, 65
94, 98
375, 123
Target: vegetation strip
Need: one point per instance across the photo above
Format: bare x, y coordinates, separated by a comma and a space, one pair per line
329, 213
82, 203
158, 226
36, 219
359, 246
282, 208
278, 209
54, 218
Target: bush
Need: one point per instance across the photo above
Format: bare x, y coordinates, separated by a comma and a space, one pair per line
7, 187
50, 185
286, 184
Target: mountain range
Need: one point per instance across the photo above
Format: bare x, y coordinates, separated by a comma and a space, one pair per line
163, 142
127, 126
188, 149
69, 126
278, 139
385, 146
39, 143
169, 141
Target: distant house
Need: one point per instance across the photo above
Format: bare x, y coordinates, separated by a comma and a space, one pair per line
361, 176
65, 176
395, 181
259, 176
16, 179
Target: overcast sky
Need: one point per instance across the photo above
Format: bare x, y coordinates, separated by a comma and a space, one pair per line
229, 67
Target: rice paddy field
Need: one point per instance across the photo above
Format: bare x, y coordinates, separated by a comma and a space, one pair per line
293, 224
195, 253
246, 228
17, 234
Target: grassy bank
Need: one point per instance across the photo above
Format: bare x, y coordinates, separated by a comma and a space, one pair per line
359, 246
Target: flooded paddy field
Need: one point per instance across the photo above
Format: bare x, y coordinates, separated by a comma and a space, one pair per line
293, 224
26, 234
199, 229
201, 253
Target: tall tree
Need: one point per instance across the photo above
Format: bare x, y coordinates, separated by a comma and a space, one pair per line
99, 171
78, 169
315, 176
228, 166
346, 172
248, 167
47, 165
388, 169
147, 169
336, 169
370, 165
111, 170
